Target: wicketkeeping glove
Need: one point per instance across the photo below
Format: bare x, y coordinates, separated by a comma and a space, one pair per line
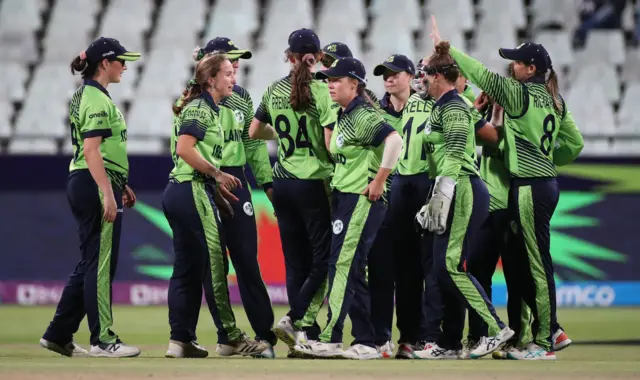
438, 208
422, 219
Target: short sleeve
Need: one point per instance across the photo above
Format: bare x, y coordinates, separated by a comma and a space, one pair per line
195, 120
94, 116
372, 129
262, 113
476, 119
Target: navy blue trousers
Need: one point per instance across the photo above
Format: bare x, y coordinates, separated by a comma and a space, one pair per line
304, 219
460, 290
241, 237
88, 289
355, 223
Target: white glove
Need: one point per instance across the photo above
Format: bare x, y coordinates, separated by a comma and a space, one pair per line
438, 207
422, 218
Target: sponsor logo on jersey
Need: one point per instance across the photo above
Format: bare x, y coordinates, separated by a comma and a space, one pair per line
338, 226
239, 116
98, 114
247, 207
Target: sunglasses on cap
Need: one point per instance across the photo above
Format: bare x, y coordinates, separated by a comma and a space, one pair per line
327, 60
431, 70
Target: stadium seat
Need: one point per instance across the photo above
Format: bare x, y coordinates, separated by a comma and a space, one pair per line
631, 66
150, 117
494, 9
127, 21
342, 14
32, 146
19, 20
449, 30
558, 45
603, 46
395, 9
600, 73
591, 109
5, 119
629, 113
179, 23
596, 147
147, 146
456, 12
13, 77
547, 12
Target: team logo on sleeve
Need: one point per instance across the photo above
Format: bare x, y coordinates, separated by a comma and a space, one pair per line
239, 116
338, 226
340, 141
247, 207
427, 128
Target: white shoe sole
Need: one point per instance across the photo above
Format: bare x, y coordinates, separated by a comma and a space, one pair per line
175, 351
103, 354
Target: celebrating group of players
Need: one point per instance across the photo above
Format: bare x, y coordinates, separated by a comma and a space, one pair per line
378, 202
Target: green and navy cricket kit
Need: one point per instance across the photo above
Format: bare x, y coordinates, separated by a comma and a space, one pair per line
240, 231
380, 265
532, 126
452, 131
356, 147
300, 194
189, 208
92, 114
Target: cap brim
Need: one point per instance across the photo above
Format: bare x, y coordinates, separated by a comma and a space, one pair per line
510, 54
332, 55
129, 56
239, 54
326, 74
380, 69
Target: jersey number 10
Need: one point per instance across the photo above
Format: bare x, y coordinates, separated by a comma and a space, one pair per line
301, 140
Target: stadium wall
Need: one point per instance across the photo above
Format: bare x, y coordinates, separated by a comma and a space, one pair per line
595, 237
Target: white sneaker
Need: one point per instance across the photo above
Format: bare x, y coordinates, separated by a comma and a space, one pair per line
113, 350
245, 347
489, 344
406, 351
362, 352
268, 353
185, 350
560, 340
531, 352
290, 334
321, 350
435, 352
386, 350
468, 347
70, 349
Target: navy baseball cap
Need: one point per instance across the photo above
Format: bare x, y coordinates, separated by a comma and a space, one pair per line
396, 63
229, 47
528, 52
344, 67
304, 41
337, 50
109, 48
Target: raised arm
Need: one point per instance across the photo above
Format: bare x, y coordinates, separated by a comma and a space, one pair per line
507, 92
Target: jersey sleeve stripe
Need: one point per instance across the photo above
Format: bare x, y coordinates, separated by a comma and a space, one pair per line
382, 134
97, 133
193, 128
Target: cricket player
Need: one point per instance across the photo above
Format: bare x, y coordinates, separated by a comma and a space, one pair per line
365, 149
188, 205
458, 206
395, 274
97, 190
240, 230
536, 115
297, 110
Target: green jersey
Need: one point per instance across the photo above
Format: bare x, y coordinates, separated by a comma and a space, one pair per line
357, 146
200, 119
389, 113
413, 159
531, 123
236, 113
92, 113
451, 130
301, 148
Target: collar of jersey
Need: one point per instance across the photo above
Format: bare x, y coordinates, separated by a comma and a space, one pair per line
358, 100
446, 97
91, 82
207, 97
387, 106
536, 79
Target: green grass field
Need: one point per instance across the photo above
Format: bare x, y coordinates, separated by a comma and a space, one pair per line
22, 358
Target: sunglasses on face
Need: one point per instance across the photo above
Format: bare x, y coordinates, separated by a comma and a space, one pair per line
327, 61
